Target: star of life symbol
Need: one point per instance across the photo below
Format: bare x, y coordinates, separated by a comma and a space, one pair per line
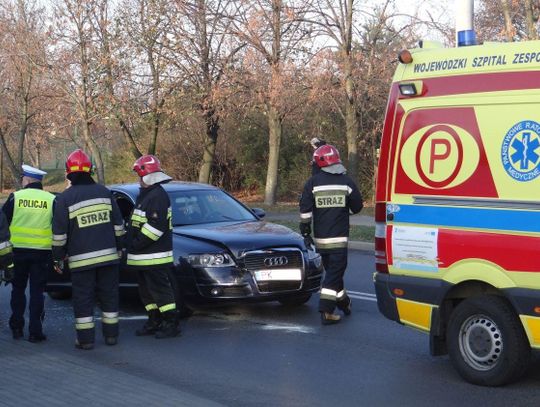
519, 154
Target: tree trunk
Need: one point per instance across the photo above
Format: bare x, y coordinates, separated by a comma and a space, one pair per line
15, 171
509, 27
351, 122
531, 26
210, 141
274, 142
95, 151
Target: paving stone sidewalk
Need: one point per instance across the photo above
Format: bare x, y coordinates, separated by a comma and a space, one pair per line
35, 376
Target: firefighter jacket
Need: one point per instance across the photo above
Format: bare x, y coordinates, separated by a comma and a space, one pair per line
150, 230
29, 212
6, 250
87, 227
327, 200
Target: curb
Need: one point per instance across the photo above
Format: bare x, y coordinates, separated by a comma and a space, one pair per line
362, 246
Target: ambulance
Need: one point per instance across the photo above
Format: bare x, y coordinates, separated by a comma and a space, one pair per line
457, 242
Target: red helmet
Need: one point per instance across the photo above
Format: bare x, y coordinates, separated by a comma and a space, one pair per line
326, 155
78, 161
147, 164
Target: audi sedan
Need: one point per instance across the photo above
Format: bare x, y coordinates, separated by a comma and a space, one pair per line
223, 251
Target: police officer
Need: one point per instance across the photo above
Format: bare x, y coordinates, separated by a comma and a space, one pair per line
327, 199
149, 250
29, 213
87, 232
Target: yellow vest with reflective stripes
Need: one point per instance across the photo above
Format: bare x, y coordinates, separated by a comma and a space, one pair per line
31, 226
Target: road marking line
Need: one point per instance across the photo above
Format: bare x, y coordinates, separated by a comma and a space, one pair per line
361, 293
288, 328
362, 297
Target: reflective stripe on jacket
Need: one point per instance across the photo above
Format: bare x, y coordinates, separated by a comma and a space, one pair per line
87, 227
327, 200
32, 219
150, 230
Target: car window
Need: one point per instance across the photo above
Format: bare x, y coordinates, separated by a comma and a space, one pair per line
124, 204
197, 207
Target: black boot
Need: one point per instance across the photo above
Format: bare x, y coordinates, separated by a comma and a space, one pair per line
152, 325
170, 325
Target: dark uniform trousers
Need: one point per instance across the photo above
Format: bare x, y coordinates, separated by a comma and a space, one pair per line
30, 266
155, 290
86, 283
332, 290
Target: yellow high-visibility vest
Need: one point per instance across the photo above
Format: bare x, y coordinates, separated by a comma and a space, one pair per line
31, 226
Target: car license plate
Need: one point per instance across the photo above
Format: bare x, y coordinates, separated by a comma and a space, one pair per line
279, 275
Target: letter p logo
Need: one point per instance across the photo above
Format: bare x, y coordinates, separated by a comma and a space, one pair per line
441, 153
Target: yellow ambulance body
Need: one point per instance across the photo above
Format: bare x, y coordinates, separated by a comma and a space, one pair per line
458, 205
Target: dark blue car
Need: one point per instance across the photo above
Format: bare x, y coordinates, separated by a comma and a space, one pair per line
223, 251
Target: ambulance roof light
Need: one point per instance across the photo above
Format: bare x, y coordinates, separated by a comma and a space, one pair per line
465, 34
405, 57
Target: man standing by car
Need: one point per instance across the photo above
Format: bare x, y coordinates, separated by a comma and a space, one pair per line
327, 199
150, 249
29, 213
87, 231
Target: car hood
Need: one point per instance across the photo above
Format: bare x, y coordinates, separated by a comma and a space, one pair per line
241, 236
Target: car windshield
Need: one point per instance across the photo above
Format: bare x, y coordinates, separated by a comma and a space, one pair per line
197, 207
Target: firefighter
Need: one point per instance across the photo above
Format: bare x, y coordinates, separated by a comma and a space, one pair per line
29, 213
149, 250
87, 233
327, 199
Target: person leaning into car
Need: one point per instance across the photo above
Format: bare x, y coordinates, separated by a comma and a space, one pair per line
88, 230
29, 212
150, 249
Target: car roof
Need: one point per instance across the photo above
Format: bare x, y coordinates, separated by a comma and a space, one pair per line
174, 186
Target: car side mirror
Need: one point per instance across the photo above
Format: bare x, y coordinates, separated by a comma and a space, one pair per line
259, 212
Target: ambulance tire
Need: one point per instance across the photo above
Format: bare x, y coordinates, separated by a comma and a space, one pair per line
486, 341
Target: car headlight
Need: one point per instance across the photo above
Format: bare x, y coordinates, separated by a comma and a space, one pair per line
211, 260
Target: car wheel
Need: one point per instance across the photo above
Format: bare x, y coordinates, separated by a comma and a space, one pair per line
60, 295
295, 301
486, 341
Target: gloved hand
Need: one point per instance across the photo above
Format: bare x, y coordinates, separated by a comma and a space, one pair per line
308, 241
305, 229
58, 266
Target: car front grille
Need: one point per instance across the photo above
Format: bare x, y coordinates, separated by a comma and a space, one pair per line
275, 259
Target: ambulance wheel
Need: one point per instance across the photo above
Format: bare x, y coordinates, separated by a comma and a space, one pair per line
486, 341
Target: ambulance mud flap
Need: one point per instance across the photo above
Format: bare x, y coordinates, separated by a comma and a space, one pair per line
385, 300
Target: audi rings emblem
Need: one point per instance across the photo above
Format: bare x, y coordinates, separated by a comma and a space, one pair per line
276, 261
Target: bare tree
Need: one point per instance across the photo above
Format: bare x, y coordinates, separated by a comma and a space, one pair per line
275, 29
109, 46
22, 39
202, 50
147, 24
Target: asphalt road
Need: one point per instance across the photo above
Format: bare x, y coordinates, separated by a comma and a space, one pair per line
268, 355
